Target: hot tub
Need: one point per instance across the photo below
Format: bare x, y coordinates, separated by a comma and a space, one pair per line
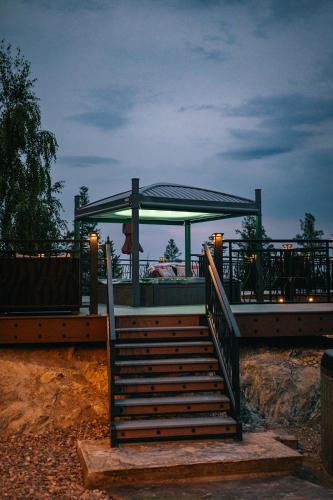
163, 291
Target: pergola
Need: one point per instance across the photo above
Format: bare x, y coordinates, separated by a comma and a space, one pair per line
165, 203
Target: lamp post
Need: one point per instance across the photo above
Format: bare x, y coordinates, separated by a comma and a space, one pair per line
218, 252
289, 290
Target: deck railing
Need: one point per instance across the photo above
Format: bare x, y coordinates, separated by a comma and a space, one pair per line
48, 275
111, 340
278, 270
226, 335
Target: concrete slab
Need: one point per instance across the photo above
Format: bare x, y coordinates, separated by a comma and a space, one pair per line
281, 488
258, 455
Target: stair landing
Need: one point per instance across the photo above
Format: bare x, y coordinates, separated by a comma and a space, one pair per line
258, 455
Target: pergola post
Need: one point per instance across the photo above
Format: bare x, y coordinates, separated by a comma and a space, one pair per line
135, 243
260, 285
188, 267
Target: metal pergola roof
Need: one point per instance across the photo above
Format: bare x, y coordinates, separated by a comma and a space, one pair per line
165, 203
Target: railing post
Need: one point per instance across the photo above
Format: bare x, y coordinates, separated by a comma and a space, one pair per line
93, 305
231, 288
328, 272
218, 253
260, 285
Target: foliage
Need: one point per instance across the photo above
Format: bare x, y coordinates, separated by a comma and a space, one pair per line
308, 231
29, 207
116, 265
249, 234
171, 252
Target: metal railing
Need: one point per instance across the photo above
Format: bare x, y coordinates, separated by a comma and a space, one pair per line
111, 340
279, 270
226, 335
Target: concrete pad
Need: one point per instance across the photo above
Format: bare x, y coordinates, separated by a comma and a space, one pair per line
281, 488
259, 454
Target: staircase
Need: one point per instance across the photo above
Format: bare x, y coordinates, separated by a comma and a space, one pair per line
166, 381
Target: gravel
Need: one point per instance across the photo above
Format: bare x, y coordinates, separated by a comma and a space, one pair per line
46, 466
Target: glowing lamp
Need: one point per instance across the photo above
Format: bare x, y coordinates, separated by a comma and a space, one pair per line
310, 299
217, 236
281, 300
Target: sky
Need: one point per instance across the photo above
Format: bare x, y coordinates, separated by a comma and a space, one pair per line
229, 95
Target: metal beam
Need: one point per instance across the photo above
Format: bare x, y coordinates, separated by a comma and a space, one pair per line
135, 242
188, 270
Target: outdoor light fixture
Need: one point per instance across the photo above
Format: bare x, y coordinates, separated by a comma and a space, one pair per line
287, 246
93, 236
217, 236
310, 299
281, 300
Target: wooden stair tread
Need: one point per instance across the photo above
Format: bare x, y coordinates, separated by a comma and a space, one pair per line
172, 400
168, 380
174, 422
161, 328
166, 361
163, 344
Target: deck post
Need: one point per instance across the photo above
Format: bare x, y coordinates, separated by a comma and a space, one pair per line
188, 269
93, 240
218, 253
77, 223
260, 287
135, 243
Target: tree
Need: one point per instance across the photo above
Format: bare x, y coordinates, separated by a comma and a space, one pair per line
116, 265
29, 207
172, 252
308, 230
249, 234
86, 227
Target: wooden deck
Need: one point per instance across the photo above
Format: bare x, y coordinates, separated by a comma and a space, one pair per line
254, 320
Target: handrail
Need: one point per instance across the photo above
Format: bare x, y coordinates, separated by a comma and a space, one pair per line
111, 339
221, 293
225, 334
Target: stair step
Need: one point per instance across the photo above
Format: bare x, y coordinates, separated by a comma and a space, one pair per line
177, 404
164, 348
166, 332
158, 320
175, 427
169, 384
167, 365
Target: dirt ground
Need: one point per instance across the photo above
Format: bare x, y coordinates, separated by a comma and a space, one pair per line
50, 397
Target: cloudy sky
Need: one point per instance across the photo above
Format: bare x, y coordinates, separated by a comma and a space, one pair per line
231, 95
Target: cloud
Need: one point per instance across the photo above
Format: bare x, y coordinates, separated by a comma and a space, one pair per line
200, 107
213, 55
111, 109
270, 13
288, 109
326, 72
87, 161
71, 5
256, 153
284, 124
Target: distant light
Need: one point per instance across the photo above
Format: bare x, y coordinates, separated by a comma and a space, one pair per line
310, 299
287, 246
281, 300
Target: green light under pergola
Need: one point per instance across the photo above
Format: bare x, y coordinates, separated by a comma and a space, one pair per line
145, 213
